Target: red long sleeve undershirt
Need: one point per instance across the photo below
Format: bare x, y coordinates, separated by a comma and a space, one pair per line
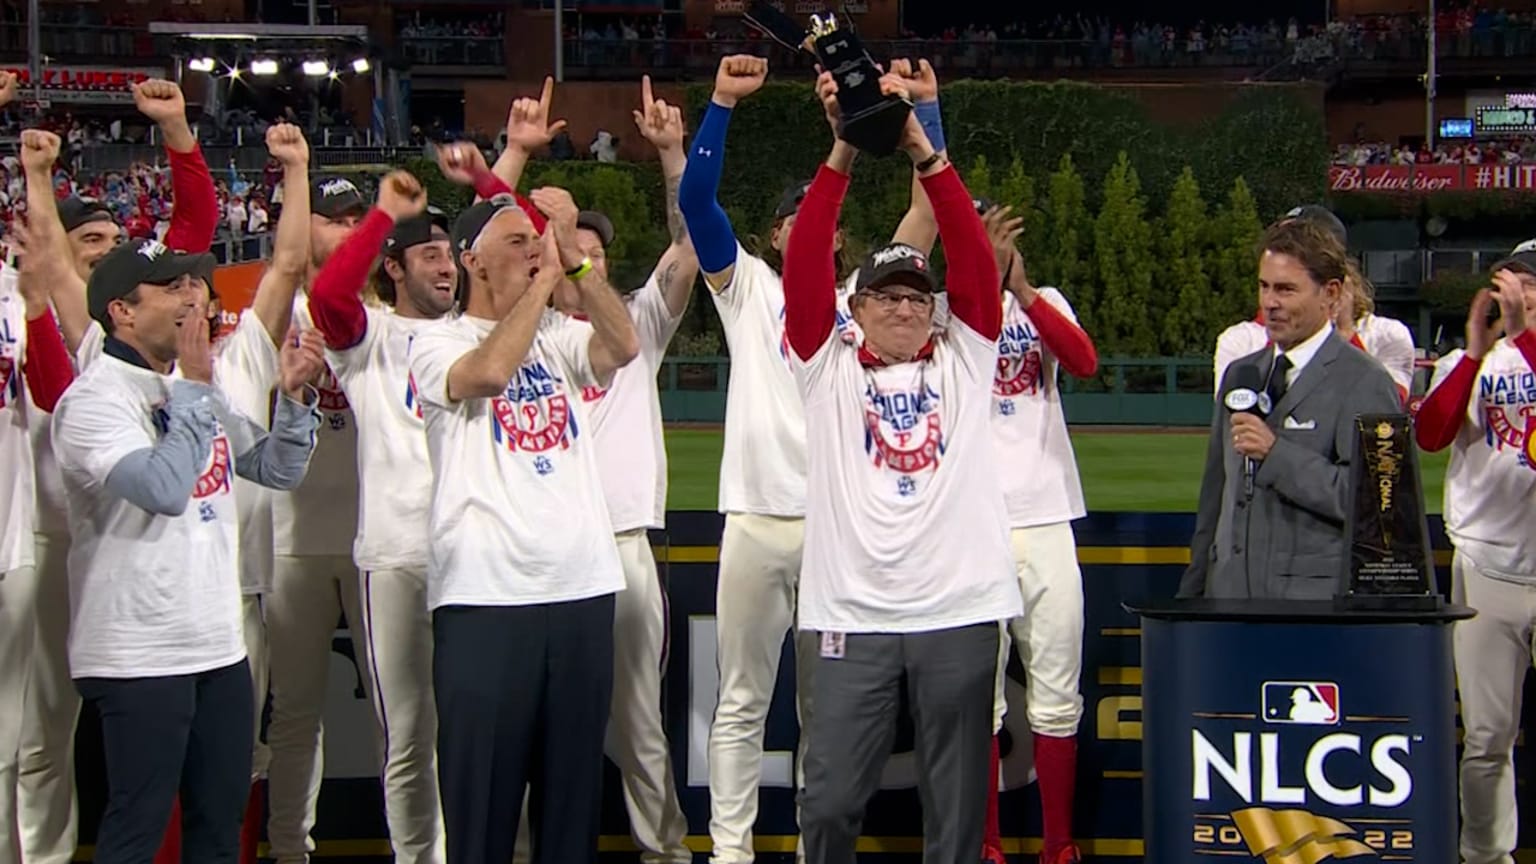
1443, 410
194, 204
488, 185
46, 366
335, 298
1066, 341
810, 271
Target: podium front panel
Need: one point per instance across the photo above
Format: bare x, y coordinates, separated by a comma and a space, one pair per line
1275, 740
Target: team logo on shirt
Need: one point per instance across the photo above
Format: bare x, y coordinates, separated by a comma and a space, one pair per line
1019, 364
903, 432
332, 398
842, 328
1509, 412
534, 415
412, 399
215, 478
593, 394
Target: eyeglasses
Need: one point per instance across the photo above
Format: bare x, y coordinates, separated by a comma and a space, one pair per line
890, 301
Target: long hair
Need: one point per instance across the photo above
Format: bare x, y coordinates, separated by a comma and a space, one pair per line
1360, 289
845, 258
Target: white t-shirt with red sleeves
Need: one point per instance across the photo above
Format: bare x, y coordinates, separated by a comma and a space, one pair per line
905, 527
18, 485
1490, 483
149, 595
762, 469
391, 442
518, 516
1029, 430
626, 417
320, 517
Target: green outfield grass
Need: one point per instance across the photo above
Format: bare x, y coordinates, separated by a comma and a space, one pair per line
1151, 471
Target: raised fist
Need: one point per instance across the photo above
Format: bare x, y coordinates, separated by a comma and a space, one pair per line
7, 88
460, 162
160, 101
659, 123
286, 143
922, 85
739, 76
39, 150
528, 126
401, 195
560, 207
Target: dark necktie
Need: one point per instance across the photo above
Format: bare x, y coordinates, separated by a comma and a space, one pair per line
1277, 374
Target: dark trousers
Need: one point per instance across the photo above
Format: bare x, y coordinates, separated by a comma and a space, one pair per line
185, 733
951, 676
522, 700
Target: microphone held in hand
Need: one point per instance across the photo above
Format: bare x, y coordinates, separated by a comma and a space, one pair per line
1247, 396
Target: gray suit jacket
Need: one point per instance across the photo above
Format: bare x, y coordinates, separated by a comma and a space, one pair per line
1288, 541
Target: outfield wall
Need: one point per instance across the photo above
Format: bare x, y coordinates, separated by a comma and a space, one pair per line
1126, 558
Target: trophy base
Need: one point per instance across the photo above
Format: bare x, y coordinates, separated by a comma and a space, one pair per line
1389, 603
876, 130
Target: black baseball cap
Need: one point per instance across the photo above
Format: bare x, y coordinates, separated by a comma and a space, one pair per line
467, 228
1522, 259
597, 223
422, 228
75, 211
981, 204
896, 262
790, 201
133, 264
1321, 217
332, 197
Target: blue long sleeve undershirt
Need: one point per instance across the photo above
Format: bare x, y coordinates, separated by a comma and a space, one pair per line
698, 195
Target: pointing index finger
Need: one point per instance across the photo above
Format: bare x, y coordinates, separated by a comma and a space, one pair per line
646, 97
548, 94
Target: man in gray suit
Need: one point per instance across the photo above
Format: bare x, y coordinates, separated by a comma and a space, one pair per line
1276, 488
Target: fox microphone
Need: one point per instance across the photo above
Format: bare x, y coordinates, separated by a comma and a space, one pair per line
1247, 396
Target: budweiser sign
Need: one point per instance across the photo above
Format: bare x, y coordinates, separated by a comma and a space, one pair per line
1426, 179
84, 84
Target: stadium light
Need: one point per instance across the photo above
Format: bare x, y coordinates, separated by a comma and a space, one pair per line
360, 65
200, 64
263, 67
317, 68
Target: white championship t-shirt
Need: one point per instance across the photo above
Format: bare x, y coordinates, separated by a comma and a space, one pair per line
245, 367
1391, 343
1491, 481
905, 528
762, 469
1029, 431
18, 485
391, 442
1235, 343
149, 595
628, 414
518, 516
320, 517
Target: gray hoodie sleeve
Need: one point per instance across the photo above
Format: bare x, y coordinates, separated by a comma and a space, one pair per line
161, 478
280, 458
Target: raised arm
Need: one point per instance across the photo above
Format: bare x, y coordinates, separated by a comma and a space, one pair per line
484, 370
45, 365
918, 228
45, 241
1445, 408
972, 278
464, 164
614, 341
195, 205
662, 125
1060, 335
528, 129
336, 298
273, 303
739, 76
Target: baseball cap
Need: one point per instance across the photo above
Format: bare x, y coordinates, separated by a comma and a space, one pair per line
422, 228
467, 228
1321, 217
981, 204
335, 196
133, 264
896, 262
598, 223
790, 201
1521, 259
75, 211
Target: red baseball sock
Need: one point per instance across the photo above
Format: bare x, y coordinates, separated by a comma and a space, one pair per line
170, 842
1056, 769
250, 828
992, 840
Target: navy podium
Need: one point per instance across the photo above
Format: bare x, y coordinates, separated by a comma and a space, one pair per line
1292, 732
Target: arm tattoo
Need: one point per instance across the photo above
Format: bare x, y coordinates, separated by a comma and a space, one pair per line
667, 276
675, 224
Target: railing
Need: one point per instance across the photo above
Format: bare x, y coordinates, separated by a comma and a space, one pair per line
454, 50
102, 158
96, 44
248, 247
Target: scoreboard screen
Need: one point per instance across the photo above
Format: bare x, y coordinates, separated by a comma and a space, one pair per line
1503, 120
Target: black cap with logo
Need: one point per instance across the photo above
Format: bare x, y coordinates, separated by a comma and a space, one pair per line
141, 263
75, 211
1321, 217
1522, 259
334, 197
790, 202
467, 228
598, 224
423, 228
896, 263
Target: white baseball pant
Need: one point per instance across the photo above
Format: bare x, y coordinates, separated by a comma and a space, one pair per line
637, 741
1050, 633
397, 645
1493, 654
754, 608
308, 597
253, 626
18, 600
45, 796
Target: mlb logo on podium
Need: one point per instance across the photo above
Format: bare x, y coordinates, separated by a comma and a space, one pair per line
1305, 703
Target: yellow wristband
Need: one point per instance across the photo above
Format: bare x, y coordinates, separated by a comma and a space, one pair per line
580, 270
